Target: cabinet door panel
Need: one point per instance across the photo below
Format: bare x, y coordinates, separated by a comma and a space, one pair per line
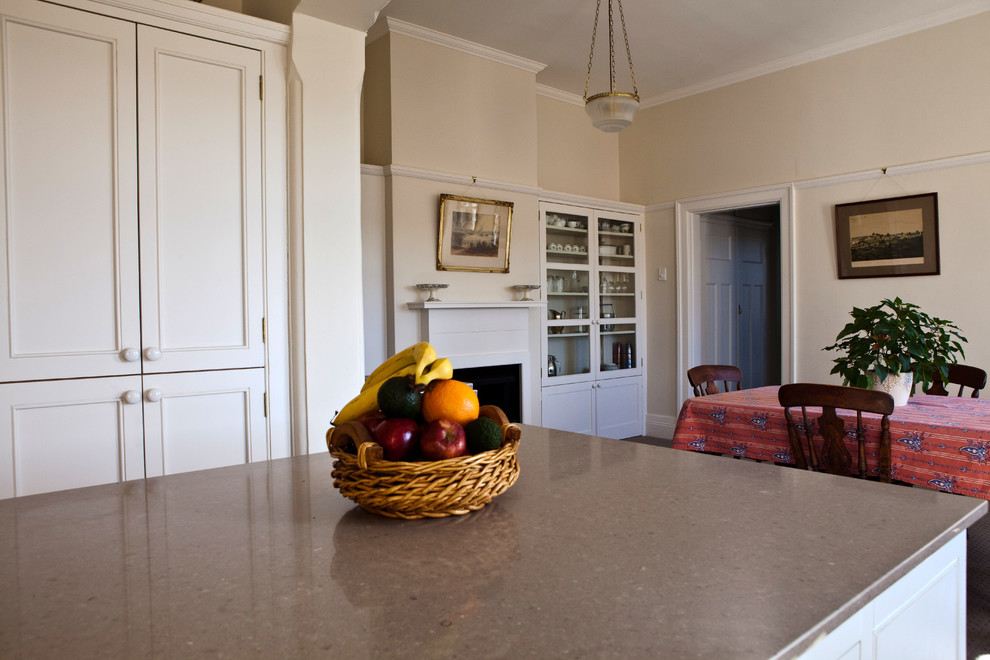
570, 408
68, 434
619, 412
68, 213
204, 420
200, 182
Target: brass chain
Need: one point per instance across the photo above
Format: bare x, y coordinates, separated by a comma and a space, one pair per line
594, 33
625, 37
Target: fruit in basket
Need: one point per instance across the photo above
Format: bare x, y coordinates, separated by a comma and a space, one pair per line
442, 439
398, 437
418, 356
450, 399
399, 396
371, 419
483, 434
418, 361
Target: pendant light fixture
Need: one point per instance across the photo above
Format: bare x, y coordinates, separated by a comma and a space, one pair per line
611, 111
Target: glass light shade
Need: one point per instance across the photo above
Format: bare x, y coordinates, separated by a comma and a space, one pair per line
611, 112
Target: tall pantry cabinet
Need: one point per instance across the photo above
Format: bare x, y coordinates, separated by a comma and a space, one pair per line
133, 277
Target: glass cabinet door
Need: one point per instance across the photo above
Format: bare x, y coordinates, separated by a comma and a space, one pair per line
616, 242
567, 238
617, 296
568, 322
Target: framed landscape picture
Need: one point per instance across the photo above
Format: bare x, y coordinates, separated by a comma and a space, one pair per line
474, 234
888, 237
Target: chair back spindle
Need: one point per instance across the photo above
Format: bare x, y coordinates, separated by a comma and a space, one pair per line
834, 457
962, 375
705, 378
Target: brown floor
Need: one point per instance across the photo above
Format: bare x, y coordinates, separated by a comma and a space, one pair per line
977, 579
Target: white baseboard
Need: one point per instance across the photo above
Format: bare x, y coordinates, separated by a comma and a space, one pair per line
660, 426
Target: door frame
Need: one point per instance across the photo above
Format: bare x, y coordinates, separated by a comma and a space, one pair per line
687, 232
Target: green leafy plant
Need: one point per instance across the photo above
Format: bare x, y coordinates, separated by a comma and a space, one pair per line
895, 337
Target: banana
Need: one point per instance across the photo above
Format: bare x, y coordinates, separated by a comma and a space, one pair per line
441, 369
425, 358
405, 371
419, 360
402, 359
366, 401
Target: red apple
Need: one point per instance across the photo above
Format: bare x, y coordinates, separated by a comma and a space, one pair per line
398, 437
442, 438
371, 419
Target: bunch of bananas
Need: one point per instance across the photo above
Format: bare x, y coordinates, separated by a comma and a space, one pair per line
419, 360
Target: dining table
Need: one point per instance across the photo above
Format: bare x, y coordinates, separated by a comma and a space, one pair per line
939, 442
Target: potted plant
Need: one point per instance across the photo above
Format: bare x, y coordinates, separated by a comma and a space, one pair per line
893, 345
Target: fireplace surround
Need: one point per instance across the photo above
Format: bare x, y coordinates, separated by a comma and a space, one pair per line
489, 334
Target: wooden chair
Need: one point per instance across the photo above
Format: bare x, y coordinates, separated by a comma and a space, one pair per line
963, 376
835, 457
705, 378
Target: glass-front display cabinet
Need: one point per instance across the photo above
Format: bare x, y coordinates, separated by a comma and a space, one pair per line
593, 284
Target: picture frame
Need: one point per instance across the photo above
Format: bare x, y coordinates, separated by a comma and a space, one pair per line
474, 234
892, 237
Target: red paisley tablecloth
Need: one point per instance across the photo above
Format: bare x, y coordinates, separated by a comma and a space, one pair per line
938, 442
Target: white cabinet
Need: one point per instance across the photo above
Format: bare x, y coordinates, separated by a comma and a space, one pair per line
611, 408
132, 217
83, 432
593, 334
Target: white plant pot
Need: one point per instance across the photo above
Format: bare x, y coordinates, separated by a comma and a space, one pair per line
896, 385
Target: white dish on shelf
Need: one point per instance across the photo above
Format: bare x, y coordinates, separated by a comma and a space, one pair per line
607, 250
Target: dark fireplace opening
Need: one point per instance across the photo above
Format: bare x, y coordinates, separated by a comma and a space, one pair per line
497, 385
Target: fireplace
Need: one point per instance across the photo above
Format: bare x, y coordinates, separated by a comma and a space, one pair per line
493, 345
496, 385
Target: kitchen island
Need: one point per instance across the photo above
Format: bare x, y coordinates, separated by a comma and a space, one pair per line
603, 548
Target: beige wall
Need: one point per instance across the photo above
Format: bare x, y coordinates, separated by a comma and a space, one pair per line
957, 294
460, 113
376, 105
574, 156
914, 99
911, 99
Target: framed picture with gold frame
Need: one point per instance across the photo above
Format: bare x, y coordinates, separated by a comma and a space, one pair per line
474, 234
890, 237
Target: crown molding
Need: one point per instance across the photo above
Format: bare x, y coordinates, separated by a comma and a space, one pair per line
459, 179
490, 184
612, 205
654, 208
194, 14
559, 94
878, 36
396, 26
897, 170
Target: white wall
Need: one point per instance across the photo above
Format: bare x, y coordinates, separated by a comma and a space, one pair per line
327, 63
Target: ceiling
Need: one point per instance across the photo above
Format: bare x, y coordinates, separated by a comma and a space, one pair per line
679, 47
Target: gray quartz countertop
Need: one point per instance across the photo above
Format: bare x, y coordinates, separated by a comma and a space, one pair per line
603, 548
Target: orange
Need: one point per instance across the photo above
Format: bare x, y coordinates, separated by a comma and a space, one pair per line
450, 399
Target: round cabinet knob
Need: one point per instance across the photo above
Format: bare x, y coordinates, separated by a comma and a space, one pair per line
130, 355
152, 353
131, 396
153, 395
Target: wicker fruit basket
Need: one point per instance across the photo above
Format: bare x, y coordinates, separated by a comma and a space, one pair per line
422, 489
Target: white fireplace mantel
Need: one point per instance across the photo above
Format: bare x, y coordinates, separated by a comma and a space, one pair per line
484, 334
476, 305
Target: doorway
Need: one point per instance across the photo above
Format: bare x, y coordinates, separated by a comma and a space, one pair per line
739, 292
726, 312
